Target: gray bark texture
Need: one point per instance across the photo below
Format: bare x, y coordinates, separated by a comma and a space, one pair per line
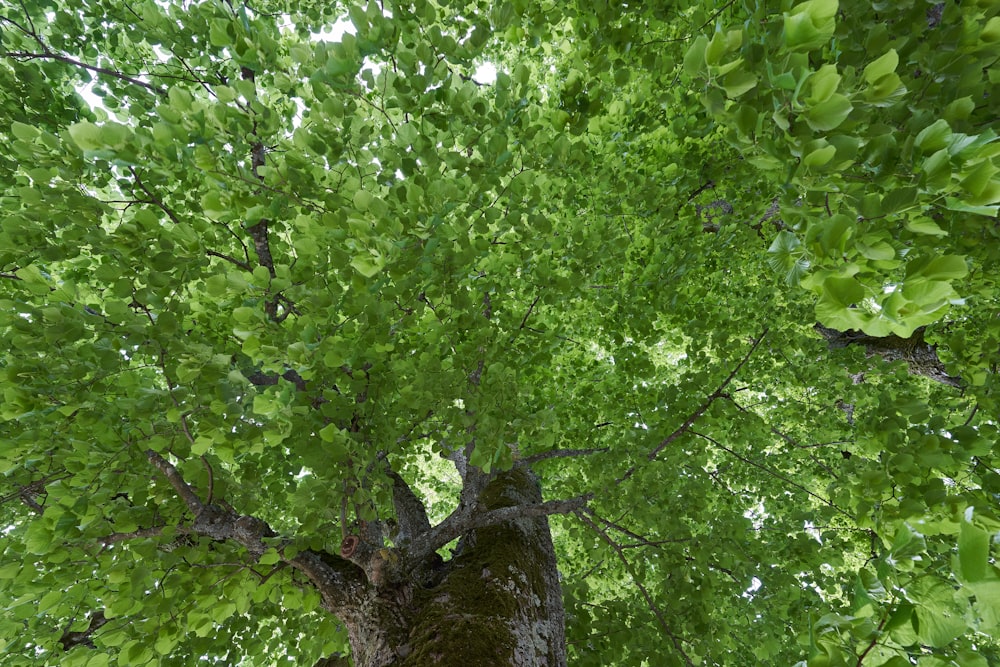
919, 355
496, 601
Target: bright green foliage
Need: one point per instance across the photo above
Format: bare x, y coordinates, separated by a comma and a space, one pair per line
888, 118
622, 243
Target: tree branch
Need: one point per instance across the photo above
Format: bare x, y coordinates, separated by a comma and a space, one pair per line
562, 453
771, 472
49, 55
173, 476
919, 355
28, 498
548, 508
337, 580
411, 514
71, 639
719, 392
114, 538
466, 518
657, 612
260, 379
524, 320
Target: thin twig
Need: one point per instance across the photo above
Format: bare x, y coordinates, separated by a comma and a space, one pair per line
972, 414
657, 612
156, 200
874, 642
562, 453
232, 260
642, 541
49, 55
719, 392
524, 320
211, 481
700, 28
771, 472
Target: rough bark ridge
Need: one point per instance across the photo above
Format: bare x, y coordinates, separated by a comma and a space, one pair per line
497, 601
919, 355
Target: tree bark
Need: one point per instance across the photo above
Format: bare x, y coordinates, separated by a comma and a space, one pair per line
496, 601
919, 355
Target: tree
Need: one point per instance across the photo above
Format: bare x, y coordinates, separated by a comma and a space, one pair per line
674, 344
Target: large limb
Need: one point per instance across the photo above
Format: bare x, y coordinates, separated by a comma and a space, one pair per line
338, 581
919, 355
466, 518
411, 515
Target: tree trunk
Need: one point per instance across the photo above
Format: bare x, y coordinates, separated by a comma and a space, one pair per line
497, 601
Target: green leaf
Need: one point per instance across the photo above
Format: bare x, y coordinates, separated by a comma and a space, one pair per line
367, 264
908, 545
958, 205
990, 33
938, 629
362, 199
823, 84
720, 44
945, 267
882, 66
938, 168
244, 314
810, 24
973, 552
86, 135
899, 199
978, 183
737, 83
819, 157
830, 114
878, 250
934, 137
23, 131
694, 59
788, 257
165, 642
218, 34
987, 605
844, 291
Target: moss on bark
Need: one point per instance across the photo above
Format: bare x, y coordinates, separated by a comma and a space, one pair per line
495, 606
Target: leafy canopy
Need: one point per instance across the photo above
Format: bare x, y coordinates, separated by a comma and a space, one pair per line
278, 257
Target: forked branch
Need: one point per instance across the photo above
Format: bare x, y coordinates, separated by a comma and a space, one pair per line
337, 580
657, 612
720, 392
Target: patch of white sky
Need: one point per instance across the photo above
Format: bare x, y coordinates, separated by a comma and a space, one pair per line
485, 73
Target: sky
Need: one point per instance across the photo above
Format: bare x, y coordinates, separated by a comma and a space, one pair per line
486, 72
